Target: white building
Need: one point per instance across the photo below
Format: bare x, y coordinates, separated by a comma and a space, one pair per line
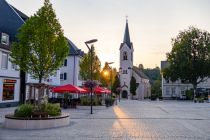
10, 20
69, 72
177, 89
127, 70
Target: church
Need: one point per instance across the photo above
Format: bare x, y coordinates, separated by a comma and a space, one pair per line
127, 70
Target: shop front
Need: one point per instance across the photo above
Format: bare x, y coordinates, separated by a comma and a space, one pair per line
9, 92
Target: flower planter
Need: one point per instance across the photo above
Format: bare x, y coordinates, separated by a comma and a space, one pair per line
36, 123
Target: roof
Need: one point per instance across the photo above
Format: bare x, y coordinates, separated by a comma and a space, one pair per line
11, 19
73, 50
127, 36
139, 72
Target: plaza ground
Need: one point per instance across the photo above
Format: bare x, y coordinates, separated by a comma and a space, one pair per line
168, 120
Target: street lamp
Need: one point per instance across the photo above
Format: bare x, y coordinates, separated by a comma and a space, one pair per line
109, 63
91, 71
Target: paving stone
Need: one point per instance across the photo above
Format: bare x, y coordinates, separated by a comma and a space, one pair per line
129, 120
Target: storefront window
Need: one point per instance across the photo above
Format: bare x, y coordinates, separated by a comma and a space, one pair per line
8, 90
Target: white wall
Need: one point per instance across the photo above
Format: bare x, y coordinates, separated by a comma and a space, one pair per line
9, 73
53, 80
72, 69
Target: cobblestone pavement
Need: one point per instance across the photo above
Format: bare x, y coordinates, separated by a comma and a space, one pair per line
129, 120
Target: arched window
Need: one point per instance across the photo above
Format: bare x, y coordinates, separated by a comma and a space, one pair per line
125, 57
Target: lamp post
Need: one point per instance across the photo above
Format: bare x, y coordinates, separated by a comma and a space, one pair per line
109, 63
91, 71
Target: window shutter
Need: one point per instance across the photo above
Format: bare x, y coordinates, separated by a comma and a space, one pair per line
61, 76
65, 76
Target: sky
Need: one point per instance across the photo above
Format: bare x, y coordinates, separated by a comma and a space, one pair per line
152, 24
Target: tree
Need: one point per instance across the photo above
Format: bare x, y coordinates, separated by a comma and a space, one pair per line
116, 85
156, 89
141, 66
153, 74
85, 66
41, 47
133, 86
108, 75
189, 59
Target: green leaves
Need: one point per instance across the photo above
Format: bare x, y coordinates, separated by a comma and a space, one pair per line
85, 66
190, 56
41, 47
133, 86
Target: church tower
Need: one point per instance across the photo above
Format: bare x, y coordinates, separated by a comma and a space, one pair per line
126, 63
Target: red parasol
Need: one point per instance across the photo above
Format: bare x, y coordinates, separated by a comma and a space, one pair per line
69, 88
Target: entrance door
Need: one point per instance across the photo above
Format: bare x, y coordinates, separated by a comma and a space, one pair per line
124, 94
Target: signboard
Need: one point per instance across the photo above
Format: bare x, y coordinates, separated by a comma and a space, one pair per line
9, 81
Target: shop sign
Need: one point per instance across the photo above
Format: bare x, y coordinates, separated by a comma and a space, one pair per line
9, 81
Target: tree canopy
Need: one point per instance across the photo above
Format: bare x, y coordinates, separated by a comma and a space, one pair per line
133, 86
156, 88
85, 66
116, 85
189, 59
107, 74
41, 46
152, 73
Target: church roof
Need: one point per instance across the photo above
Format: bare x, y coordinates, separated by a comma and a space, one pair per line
139, 72
127, 36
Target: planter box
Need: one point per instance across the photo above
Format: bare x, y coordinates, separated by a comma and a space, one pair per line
36, 123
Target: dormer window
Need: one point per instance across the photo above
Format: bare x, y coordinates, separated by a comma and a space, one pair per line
4, 39
125, 57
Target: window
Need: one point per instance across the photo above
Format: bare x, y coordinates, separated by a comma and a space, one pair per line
125, 57
4, 39
65, 76
61, 76
14, 67
167, 81
173, 91
8, 89
65, 62
167, 91
4, 61
124, 71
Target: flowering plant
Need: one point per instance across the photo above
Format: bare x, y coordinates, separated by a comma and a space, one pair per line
90, 84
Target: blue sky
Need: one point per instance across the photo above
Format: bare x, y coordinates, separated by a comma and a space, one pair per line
152, 24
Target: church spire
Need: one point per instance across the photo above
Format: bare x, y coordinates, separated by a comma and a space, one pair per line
127, 35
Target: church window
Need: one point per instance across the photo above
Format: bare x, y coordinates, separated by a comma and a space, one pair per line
125, 57
124, 71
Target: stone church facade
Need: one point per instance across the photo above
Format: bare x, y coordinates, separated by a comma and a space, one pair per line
127, 70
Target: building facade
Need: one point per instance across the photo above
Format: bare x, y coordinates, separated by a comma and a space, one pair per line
11, 20
127, 70
178, 89
70, 71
